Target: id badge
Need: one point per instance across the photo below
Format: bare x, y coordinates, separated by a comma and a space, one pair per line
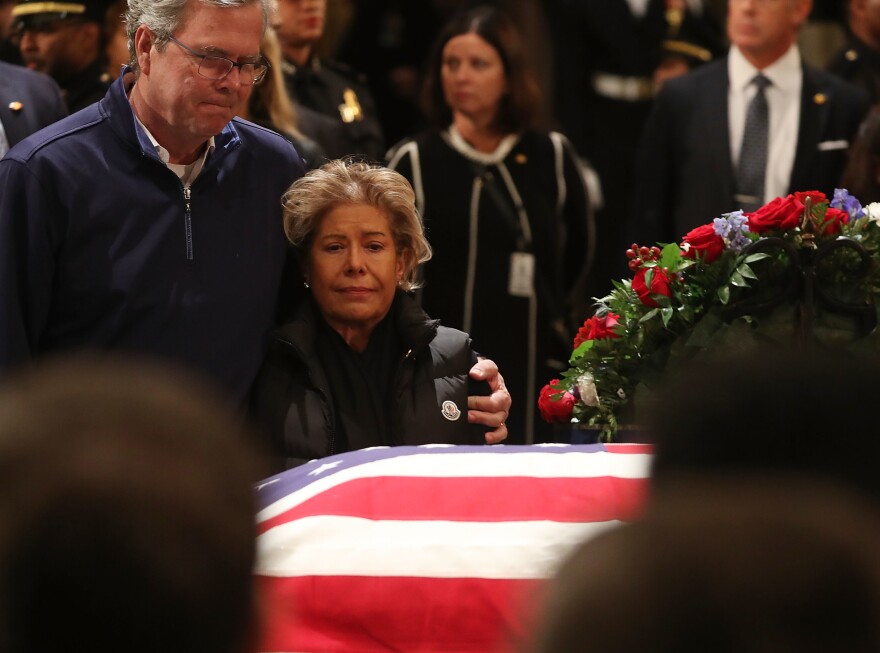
522, 274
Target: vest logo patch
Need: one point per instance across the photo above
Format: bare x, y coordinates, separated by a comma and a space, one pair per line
450, 411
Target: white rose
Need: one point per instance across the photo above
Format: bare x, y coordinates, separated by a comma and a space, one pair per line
587, 389
873, 212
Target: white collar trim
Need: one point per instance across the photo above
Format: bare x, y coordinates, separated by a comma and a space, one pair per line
460, 145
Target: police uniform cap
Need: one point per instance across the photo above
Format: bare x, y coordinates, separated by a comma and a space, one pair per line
33, 13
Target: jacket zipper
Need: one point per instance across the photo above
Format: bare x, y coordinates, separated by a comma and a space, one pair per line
398, 390
187, 220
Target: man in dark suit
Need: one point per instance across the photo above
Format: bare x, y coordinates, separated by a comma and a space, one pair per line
690, 150
611, 56
28, 102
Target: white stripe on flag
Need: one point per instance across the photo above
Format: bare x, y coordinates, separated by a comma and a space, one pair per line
349, 546
489, 464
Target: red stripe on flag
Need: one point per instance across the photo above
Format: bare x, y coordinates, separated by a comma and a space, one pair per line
366, 614
629, 447
481, 499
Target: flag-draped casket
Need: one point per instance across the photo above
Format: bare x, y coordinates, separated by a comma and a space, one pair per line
435, 548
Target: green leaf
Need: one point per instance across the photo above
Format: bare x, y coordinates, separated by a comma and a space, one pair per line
724, 294
669, 256
666, 314
662, 300
737, 280
647, 316
582, 349
746, 272
752, 258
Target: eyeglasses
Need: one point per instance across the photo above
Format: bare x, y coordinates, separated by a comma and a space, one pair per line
214, 67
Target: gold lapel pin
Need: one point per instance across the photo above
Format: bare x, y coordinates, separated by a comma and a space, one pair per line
820, 98
16, 106
520, 158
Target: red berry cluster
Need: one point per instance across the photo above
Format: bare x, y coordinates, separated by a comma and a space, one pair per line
638, 256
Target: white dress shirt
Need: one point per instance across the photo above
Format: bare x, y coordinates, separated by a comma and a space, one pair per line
186, 173
784, 103
4, 142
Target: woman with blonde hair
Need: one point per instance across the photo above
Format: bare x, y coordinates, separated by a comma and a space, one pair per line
361, 365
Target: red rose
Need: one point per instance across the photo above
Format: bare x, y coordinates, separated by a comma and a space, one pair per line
597, 328
816, 196
705, 241
555, 409
781, 213
833, 219
659, 286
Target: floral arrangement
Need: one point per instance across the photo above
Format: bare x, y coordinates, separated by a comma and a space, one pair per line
681, 297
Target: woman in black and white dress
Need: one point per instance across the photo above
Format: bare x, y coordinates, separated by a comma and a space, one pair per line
506, 209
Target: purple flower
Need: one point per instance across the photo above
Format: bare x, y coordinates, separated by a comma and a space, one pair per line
733, 227
846, 202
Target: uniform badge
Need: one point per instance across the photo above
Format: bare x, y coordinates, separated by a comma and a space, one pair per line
350, 109
450, 411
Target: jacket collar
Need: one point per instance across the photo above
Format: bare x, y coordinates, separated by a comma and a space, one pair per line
415, 329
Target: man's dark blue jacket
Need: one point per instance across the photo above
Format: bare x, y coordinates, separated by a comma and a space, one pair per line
99, 248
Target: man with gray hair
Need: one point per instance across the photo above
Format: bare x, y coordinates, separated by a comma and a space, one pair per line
151, 221
739, 132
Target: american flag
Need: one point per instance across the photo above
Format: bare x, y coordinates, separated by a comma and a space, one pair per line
429, 549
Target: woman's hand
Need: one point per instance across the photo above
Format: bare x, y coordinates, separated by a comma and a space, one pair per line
490, 411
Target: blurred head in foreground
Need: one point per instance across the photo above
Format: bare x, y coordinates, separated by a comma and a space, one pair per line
774, 411
126, 513
727, 567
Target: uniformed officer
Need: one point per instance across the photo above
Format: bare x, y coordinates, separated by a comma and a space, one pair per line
611, 56
64, 40
859, 61
324, 86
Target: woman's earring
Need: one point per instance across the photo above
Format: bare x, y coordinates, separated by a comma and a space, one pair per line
305, 284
